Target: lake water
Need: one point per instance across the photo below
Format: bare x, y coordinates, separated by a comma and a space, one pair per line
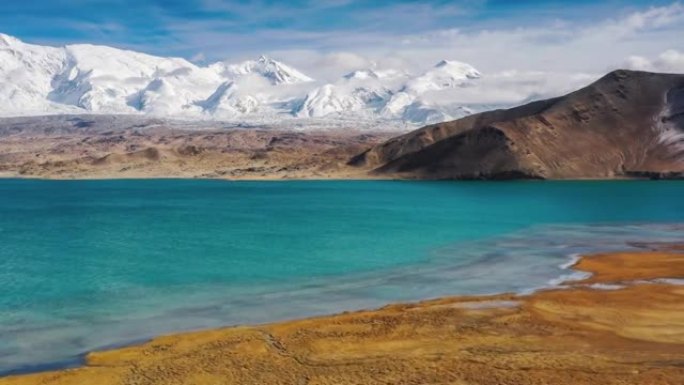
87, 265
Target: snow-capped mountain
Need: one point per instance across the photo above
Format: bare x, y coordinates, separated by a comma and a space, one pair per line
228, 102
39, 80
446, 74
276, 72
390, 94
361, 92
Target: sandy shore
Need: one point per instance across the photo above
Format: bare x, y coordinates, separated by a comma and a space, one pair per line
623, 325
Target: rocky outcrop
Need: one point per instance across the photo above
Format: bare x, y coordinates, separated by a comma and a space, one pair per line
626, 124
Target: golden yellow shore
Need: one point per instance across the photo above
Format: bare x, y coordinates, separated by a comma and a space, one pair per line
621, 326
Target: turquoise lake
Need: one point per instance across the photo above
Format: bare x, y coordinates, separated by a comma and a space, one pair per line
88, 265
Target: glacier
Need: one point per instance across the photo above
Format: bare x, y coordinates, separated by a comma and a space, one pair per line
82, 79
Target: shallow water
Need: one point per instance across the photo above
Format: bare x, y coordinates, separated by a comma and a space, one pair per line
90, 264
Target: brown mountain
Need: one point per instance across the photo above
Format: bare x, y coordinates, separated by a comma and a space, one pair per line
625, 124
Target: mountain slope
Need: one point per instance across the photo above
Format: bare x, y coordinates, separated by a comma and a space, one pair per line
625, 124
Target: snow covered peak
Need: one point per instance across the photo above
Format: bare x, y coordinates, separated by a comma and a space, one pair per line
83, 78
276, 72
324, 101
361, 93
227, 102
362, 74
458, 69
7, 40
374, 74
341, 99
446, 74
123, 64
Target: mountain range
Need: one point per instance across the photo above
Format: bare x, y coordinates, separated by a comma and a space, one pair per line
626, 124
89, 79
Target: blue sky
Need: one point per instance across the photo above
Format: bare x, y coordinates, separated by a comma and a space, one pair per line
162, 25
205, 30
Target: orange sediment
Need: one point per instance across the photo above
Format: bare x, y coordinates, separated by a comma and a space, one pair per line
631, 334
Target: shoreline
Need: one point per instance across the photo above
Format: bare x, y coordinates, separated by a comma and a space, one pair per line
620, 276
569, 274
356, 177
189, 178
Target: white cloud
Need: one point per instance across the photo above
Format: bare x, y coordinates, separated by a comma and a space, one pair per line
559, 46
520, 63
512, 87
668, 61
329, 67
568, 46
655, 17
199, 58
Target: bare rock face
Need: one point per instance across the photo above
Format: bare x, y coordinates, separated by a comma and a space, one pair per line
627, 124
